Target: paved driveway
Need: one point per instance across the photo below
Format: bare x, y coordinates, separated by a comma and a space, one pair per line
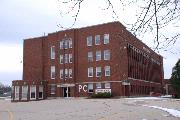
88, 109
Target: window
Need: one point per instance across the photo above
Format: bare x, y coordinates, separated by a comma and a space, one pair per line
90, 56
61, 45
53, 89
97, 40
90, 88
107, 70
61, 59
66, 58
106, 38
41, 92
98, 55
70, 58
66, 44
32, 92
66, 73
16, 92
70, 43
61, 74
107, 85
70, 73
89, 41
52, 52
24, 92
106, 54
90, 72
52, 72
98, 85
98, 71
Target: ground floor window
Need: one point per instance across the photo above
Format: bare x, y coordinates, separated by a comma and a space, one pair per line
33, 92
16, 92
24, 92
90, 88
98, 85
53, 89
107, 85
40, 92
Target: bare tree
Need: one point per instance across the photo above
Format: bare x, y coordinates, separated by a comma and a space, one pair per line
152, 17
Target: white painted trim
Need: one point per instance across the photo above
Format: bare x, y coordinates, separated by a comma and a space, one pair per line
22, 98
143, 80
35, 92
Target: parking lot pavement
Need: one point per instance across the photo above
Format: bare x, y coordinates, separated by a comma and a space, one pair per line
88, 109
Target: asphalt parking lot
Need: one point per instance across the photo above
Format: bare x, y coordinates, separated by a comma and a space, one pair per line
89, 109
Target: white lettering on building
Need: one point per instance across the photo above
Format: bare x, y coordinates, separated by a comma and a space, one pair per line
83, 87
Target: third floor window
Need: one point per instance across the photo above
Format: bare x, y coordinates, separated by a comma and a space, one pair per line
97, 40
89, 41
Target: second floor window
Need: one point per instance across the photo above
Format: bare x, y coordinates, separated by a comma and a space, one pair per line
98, 71
106, 38
66, 44
106, 54
52, 52
90, 56
70, 58
70, 43
61, 74
66, 73
107, 70
90, 72
97, 40
89, 41
66, 58
70, 73
98, 55
61, 59
52, 72
61, 44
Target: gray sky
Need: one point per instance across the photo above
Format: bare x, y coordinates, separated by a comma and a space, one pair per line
20, 19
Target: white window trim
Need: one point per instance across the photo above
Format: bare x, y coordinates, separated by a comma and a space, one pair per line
70, 43
98, 55
31, 90
24, 98
15, 97
97, 71
61, 59
106, 69
61, 71
104, 38
53, 93
70, 57
97, 85
90, 56
89, 69
69, 73
89, 88
105, 54
52, 54
105, 85
99, 40
88, 41
41, 91
52, 72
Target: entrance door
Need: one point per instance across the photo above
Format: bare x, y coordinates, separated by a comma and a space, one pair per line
126, 90
66, 92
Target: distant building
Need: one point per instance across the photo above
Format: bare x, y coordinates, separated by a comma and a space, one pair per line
83, 61
168, 89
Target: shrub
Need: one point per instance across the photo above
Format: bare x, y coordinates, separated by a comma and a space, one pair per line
102, 95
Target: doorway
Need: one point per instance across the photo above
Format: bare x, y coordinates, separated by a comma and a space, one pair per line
127, 90
66, 91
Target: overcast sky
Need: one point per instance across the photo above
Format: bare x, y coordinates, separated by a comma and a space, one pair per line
20, 19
